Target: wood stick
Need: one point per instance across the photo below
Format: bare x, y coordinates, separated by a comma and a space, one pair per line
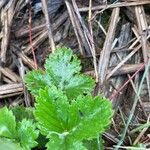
123, 61
2, 3
6, 80
7, 17
105, 55
143, 27
27, 60
88, 35
25, 32
10, 95
48, 24
8, 90
93, 50
123, 70
21, 69
24, 58
75, 26
10, 74
119, 4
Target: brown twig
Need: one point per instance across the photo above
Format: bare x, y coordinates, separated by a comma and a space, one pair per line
49, 26
30, 37
105, 54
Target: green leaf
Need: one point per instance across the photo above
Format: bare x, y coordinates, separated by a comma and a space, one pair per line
21, 134
7, 123
63, 71
56, 143
35, 80
81, 119
78, 85
6, 144
27, 134
96, 116
46, 112
61, 66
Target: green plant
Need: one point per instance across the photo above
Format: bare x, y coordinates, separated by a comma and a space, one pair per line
15, 135
65, 111
62, 70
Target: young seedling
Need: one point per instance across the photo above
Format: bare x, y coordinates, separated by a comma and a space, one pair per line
65, 111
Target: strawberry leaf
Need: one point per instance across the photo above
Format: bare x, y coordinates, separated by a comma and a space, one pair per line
81, 119
27, 134
35, 80
22, 134
62, 66
7, 123
46, 112
95, 117
63, 71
